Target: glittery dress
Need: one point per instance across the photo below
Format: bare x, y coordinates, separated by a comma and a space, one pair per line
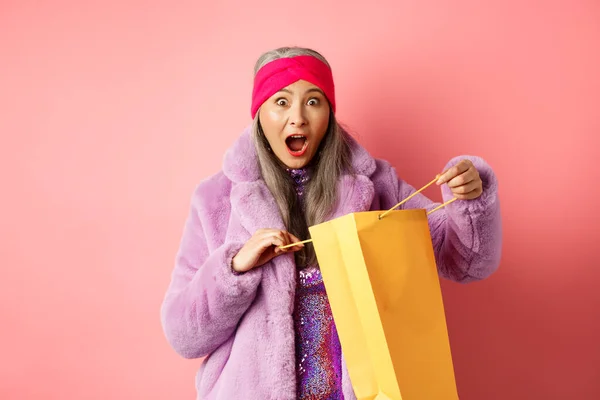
318, 349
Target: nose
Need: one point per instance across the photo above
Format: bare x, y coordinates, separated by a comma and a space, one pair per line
297, 115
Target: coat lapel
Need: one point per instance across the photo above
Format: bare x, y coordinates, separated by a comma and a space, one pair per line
253, 205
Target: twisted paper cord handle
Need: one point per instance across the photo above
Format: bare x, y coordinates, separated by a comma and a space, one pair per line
391, 209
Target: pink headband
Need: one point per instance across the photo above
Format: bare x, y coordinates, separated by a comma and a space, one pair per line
284, 71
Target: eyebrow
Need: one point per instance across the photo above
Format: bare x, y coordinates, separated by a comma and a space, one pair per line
308, 91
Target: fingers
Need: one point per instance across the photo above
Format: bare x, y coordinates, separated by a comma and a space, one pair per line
272, 238
278, 238
287, 241
463, 180
290, 238
274, 234
473, 194
294, 239
468, 191
464, 188
454, 171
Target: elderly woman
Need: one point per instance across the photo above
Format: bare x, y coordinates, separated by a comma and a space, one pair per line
259, 313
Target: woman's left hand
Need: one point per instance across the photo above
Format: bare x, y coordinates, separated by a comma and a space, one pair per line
463, 179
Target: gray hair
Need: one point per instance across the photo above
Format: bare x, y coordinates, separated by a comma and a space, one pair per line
332, 159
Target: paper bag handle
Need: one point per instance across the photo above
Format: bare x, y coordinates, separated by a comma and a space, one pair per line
414, 194
391, 209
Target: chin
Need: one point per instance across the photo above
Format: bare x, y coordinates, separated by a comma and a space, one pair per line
296, 163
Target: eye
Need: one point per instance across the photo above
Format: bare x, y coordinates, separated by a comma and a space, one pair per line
281, 102
313, 102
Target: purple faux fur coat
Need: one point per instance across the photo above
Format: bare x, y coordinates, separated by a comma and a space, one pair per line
243, 323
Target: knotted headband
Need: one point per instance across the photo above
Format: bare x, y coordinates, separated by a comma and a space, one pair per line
282, 72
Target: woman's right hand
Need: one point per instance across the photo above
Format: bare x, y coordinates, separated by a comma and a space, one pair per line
262, 247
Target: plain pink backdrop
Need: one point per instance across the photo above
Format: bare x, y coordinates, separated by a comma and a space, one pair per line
111, 113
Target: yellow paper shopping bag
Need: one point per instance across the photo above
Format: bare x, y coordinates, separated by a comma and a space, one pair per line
382, 282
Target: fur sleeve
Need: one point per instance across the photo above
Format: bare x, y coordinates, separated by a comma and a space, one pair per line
205, 299
466, 234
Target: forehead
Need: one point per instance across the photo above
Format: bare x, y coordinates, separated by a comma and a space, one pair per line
300, 87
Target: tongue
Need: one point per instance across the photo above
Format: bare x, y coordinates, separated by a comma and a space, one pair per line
295, 144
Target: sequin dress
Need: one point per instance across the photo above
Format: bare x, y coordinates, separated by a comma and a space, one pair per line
318, 349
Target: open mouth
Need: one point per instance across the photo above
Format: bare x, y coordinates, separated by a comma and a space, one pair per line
296, 144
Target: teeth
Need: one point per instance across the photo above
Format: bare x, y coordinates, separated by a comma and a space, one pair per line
297, 136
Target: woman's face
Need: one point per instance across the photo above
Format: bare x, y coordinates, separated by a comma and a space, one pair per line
294, 121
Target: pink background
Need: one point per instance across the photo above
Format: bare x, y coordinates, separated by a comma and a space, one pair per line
111, 113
